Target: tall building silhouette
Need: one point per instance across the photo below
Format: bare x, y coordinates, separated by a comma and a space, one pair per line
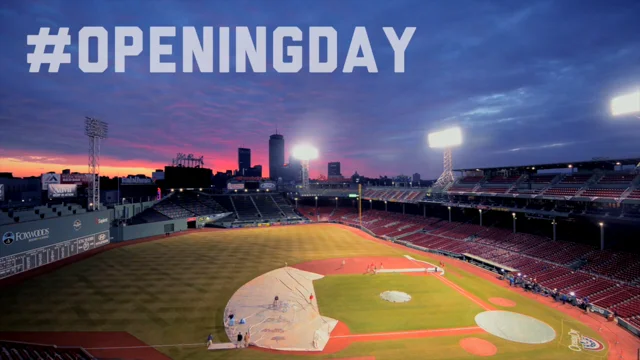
244, 160
276, 155
334, 170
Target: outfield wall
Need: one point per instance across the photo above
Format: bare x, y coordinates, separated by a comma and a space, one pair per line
133, 232
32, 244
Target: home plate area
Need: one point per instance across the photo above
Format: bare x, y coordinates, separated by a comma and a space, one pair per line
278, 311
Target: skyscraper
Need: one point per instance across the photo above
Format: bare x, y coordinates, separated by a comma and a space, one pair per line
276, 155
334, 170
244, 160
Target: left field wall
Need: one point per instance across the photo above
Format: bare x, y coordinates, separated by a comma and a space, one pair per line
30, 245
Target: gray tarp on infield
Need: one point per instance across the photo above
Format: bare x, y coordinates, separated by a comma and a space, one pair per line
515, 327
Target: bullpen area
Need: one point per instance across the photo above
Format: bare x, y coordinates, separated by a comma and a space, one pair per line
340, 295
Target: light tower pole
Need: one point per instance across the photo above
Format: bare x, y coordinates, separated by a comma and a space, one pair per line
305, 154
446, 139
96, 130
305, 174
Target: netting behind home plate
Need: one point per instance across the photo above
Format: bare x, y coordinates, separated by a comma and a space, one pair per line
292, 323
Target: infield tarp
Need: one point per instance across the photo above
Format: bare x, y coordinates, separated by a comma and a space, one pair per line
292, 324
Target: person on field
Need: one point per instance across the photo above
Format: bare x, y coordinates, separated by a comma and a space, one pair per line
311, 298
343, 263
246, 339
239, 343
276, 300
209, 340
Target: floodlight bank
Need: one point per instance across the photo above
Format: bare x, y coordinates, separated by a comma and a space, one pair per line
446, 138
626, 104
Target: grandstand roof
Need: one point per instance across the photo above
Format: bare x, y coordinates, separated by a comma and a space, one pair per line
601, 163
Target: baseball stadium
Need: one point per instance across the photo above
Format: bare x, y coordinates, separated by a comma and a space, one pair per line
521, 262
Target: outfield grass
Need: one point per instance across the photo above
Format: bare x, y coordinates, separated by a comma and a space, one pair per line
174, 291
353, 299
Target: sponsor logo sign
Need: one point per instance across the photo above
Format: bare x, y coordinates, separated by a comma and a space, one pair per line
10, 237
135, 181
102, 239
48, 179
590, 344
78, 179
57, 191
579, 342
235, 186
267, 186
77, 225
102, 221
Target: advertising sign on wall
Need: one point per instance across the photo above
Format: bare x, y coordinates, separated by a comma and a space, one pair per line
25, 246
49, 179
58, 191
267, 186
135, 181
235, 186
78, 179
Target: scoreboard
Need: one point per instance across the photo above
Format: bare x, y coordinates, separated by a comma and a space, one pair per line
31, 259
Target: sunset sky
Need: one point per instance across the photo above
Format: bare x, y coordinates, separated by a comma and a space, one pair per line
528, 81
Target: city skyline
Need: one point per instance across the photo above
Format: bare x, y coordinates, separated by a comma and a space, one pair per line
527, 82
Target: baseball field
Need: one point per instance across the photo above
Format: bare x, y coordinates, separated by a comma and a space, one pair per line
161, 299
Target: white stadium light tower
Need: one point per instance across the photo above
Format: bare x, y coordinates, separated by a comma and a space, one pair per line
446, 139
626, 104
305, 153
96, 130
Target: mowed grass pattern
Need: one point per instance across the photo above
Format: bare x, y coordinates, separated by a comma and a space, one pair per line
353, 299
174, 291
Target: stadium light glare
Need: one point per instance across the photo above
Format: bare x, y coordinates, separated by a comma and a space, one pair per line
626, 104
305, 152
445, 138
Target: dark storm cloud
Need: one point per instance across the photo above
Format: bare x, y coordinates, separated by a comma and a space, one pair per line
528, 81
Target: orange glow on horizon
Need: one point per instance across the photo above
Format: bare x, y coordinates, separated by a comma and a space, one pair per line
109, 167
26, 169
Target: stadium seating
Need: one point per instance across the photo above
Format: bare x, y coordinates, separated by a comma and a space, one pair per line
410, 195
284, 205
603, 193
25, 351
456, 188
503, 179
471, 179
245, 208
577, 179
617, 178
492, 189
561, 191
308, 212
542, 178
635, 194
267, 206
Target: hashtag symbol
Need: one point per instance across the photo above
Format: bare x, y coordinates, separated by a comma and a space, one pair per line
40, 56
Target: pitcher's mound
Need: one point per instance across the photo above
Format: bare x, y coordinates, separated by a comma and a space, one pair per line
478, 347
502, 302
